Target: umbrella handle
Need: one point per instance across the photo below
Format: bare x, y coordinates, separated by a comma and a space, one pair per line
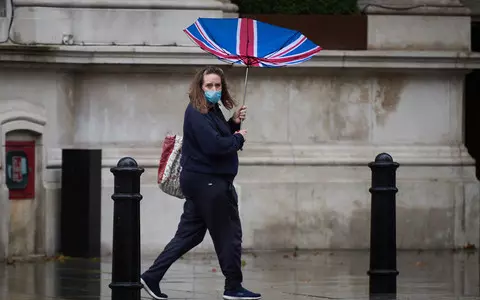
245, 86
244, 91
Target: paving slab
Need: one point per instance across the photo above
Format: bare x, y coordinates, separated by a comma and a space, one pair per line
277, 275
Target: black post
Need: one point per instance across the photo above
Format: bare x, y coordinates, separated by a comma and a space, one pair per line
125, 283
383, 247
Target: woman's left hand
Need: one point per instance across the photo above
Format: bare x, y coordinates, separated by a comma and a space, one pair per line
239, 115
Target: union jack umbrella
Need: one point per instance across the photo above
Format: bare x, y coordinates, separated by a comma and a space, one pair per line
251, 43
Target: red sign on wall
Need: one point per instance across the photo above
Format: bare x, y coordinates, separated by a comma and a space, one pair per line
20, 169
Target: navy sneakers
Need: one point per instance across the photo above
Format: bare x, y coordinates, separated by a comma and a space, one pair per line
153, 289
241, 294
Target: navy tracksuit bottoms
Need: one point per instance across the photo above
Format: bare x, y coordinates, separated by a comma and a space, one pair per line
211, 203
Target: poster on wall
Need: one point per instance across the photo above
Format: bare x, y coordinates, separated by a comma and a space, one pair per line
17, 170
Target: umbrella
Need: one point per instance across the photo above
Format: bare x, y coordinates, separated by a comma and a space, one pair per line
251, 43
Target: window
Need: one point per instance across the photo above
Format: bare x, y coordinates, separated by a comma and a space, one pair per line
3, 8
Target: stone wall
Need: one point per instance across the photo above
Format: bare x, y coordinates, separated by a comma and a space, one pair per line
303, 179
313, 128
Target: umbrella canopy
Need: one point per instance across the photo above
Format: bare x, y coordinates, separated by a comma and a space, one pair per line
251, 42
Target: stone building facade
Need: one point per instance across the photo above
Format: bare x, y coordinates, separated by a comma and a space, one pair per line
113, 74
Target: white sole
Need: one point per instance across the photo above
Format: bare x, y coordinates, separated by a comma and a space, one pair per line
145, 286
241, 298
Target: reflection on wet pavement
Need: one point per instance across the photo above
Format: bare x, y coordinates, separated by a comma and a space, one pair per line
312, 275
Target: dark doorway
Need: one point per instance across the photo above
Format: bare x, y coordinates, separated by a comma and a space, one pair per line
472, 104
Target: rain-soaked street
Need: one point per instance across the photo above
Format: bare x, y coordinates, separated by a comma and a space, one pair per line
306, 275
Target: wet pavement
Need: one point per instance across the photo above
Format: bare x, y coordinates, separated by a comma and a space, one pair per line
307, 275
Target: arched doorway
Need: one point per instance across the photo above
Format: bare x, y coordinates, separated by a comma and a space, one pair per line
22, 206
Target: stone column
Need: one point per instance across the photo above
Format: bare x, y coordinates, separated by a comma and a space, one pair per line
417, 24
429, 26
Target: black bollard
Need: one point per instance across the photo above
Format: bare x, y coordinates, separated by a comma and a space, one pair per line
383, 246
125, 283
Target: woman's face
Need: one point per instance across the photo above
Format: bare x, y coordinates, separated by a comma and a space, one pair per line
212, 82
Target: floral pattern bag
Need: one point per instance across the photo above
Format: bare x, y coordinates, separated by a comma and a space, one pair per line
169, 168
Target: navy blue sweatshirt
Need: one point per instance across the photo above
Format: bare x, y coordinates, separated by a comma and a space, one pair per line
209, 143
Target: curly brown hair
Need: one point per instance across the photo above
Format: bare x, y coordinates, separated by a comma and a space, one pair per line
196, 93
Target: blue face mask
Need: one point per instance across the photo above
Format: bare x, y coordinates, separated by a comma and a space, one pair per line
213, 96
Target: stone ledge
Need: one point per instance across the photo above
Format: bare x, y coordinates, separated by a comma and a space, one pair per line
306, 155
124, 4
414, 7
74, 56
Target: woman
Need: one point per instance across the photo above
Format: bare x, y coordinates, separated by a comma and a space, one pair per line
209, 166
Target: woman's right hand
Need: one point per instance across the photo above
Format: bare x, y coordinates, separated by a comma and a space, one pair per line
243, 132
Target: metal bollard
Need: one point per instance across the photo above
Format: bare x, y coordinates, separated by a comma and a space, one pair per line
383, 246
125, 283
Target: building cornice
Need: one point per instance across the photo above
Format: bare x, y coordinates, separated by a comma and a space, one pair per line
71, 56
301, 155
